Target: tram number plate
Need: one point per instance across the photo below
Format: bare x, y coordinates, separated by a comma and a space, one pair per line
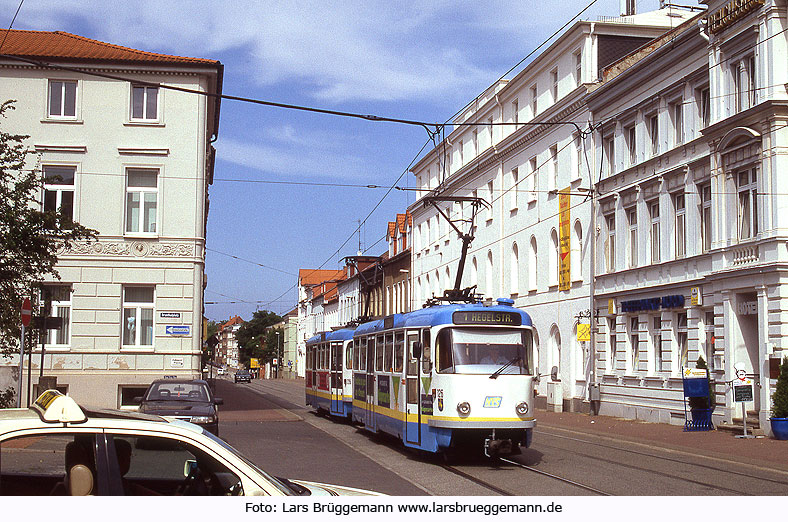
492, 402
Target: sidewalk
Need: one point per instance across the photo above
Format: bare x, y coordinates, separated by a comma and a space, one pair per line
721, 444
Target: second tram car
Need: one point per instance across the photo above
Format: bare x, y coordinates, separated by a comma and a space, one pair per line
446, 376
328, 372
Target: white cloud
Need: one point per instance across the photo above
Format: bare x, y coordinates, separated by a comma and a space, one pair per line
295, 161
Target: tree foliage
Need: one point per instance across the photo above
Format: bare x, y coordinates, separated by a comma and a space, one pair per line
29, 237
256, 338
780, 396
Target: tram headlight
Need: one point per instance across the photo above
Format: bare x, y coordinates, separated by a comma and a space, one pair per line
464, 408
521, 408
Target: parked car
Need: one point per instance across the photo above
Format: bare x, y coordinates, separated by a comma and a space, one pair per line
221, 371
55, 447
190, 400
243, 376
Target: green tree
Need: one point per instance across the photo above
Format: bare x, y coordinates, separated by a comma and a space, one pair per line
29, 237
252, 336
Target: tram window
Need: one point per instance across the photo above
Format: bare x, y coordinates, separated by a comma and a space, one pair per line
445, 359
426, 361
399, 349
361, 346
370, 354
336, 352
349, 355
379, 355
388, 363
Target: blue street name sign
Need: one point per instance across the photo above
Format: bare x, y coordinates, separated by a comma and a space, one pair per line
183, 329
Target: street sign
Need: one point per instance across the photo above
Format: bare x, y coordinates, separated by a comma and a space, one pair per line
178, 329
27, 312
50, 323
275, 361
583, 332
170, 315
254, 363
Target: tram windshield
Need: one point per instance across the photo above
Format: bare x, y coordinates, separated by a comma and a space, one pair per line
485, 351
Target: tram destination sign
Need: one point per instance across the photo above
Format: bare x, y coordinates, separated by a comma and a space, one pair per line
487, 317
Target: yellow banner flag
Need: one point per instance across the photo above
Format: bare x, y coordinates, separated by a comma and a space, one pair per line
565, 225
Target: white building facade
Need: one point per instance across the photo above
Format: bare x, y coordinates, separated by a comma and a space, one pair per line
133, 161
691, 213
515, 147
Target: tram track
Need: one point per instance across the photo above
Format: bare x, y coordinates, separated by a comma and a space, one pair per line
504, 492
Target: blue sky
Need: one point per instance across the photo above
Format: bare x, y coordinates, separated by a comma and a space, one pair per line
412, 60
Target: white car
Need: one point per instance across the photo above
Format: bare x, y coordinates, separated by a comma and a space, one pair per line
57, 448
221, 371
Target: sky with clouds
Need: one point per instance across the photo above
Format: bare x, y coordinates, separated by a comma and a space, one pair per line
404, 59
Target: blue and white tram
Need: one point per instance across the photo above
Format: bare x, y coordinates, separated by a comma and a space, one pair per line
448, 376
328, 372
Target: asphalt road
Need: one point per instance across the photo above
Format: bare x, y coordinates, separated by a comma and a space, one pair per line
282, 443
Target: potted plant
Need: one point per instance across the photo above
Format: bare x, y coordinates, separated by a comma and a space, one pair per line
701, 407
779, 419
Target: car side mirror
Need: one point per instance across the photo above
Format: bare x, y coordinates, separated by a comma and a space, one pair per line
416, 349
218, 401
554, 373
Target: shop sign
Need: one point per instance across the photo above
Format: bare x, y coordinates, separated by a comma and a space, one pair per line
748, 308
731, 13
655, 303
696, 298
611, 307
742, 390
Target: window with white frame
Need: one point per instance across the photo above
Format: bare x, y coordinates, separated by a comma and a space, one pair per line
460, 155
138, 315
610, 246
704, 106
514, 177
677, 119
144, 103
475, 143
59, 189
653, 130
534, 100
705, 216
612, 345
554, 167
490, 199
747, 182
142, 196
577, 252
632, 219
629, 132
59, 299
609, 152
744, 83
634, 343
533, 180
680, 234
554, 83
515, 113
490, 128
578, 166
655, 232
656, 341
62, 99
578, 55
681, 339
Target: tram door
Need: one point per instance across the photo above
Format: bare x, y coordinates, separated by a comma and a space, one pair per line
369, 420
412, 393
336, 377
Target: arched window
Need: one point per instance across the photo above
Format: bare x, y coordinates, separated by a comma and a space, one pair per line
449, 283
438, 290
474, 272
488, 276
514, 271
577, 252
555, 348
426, 294
553, 258
532, 263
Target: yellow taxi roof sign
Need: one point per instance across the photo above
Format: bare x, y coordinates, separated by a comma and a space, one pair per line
53, 406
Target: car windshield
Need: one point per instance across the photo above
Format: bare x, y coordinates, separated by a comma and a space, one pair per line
273, 480
484, 351
178, 391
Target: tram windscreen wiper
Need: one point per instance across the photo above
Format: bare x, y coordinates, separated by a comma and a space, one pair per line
505, 366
